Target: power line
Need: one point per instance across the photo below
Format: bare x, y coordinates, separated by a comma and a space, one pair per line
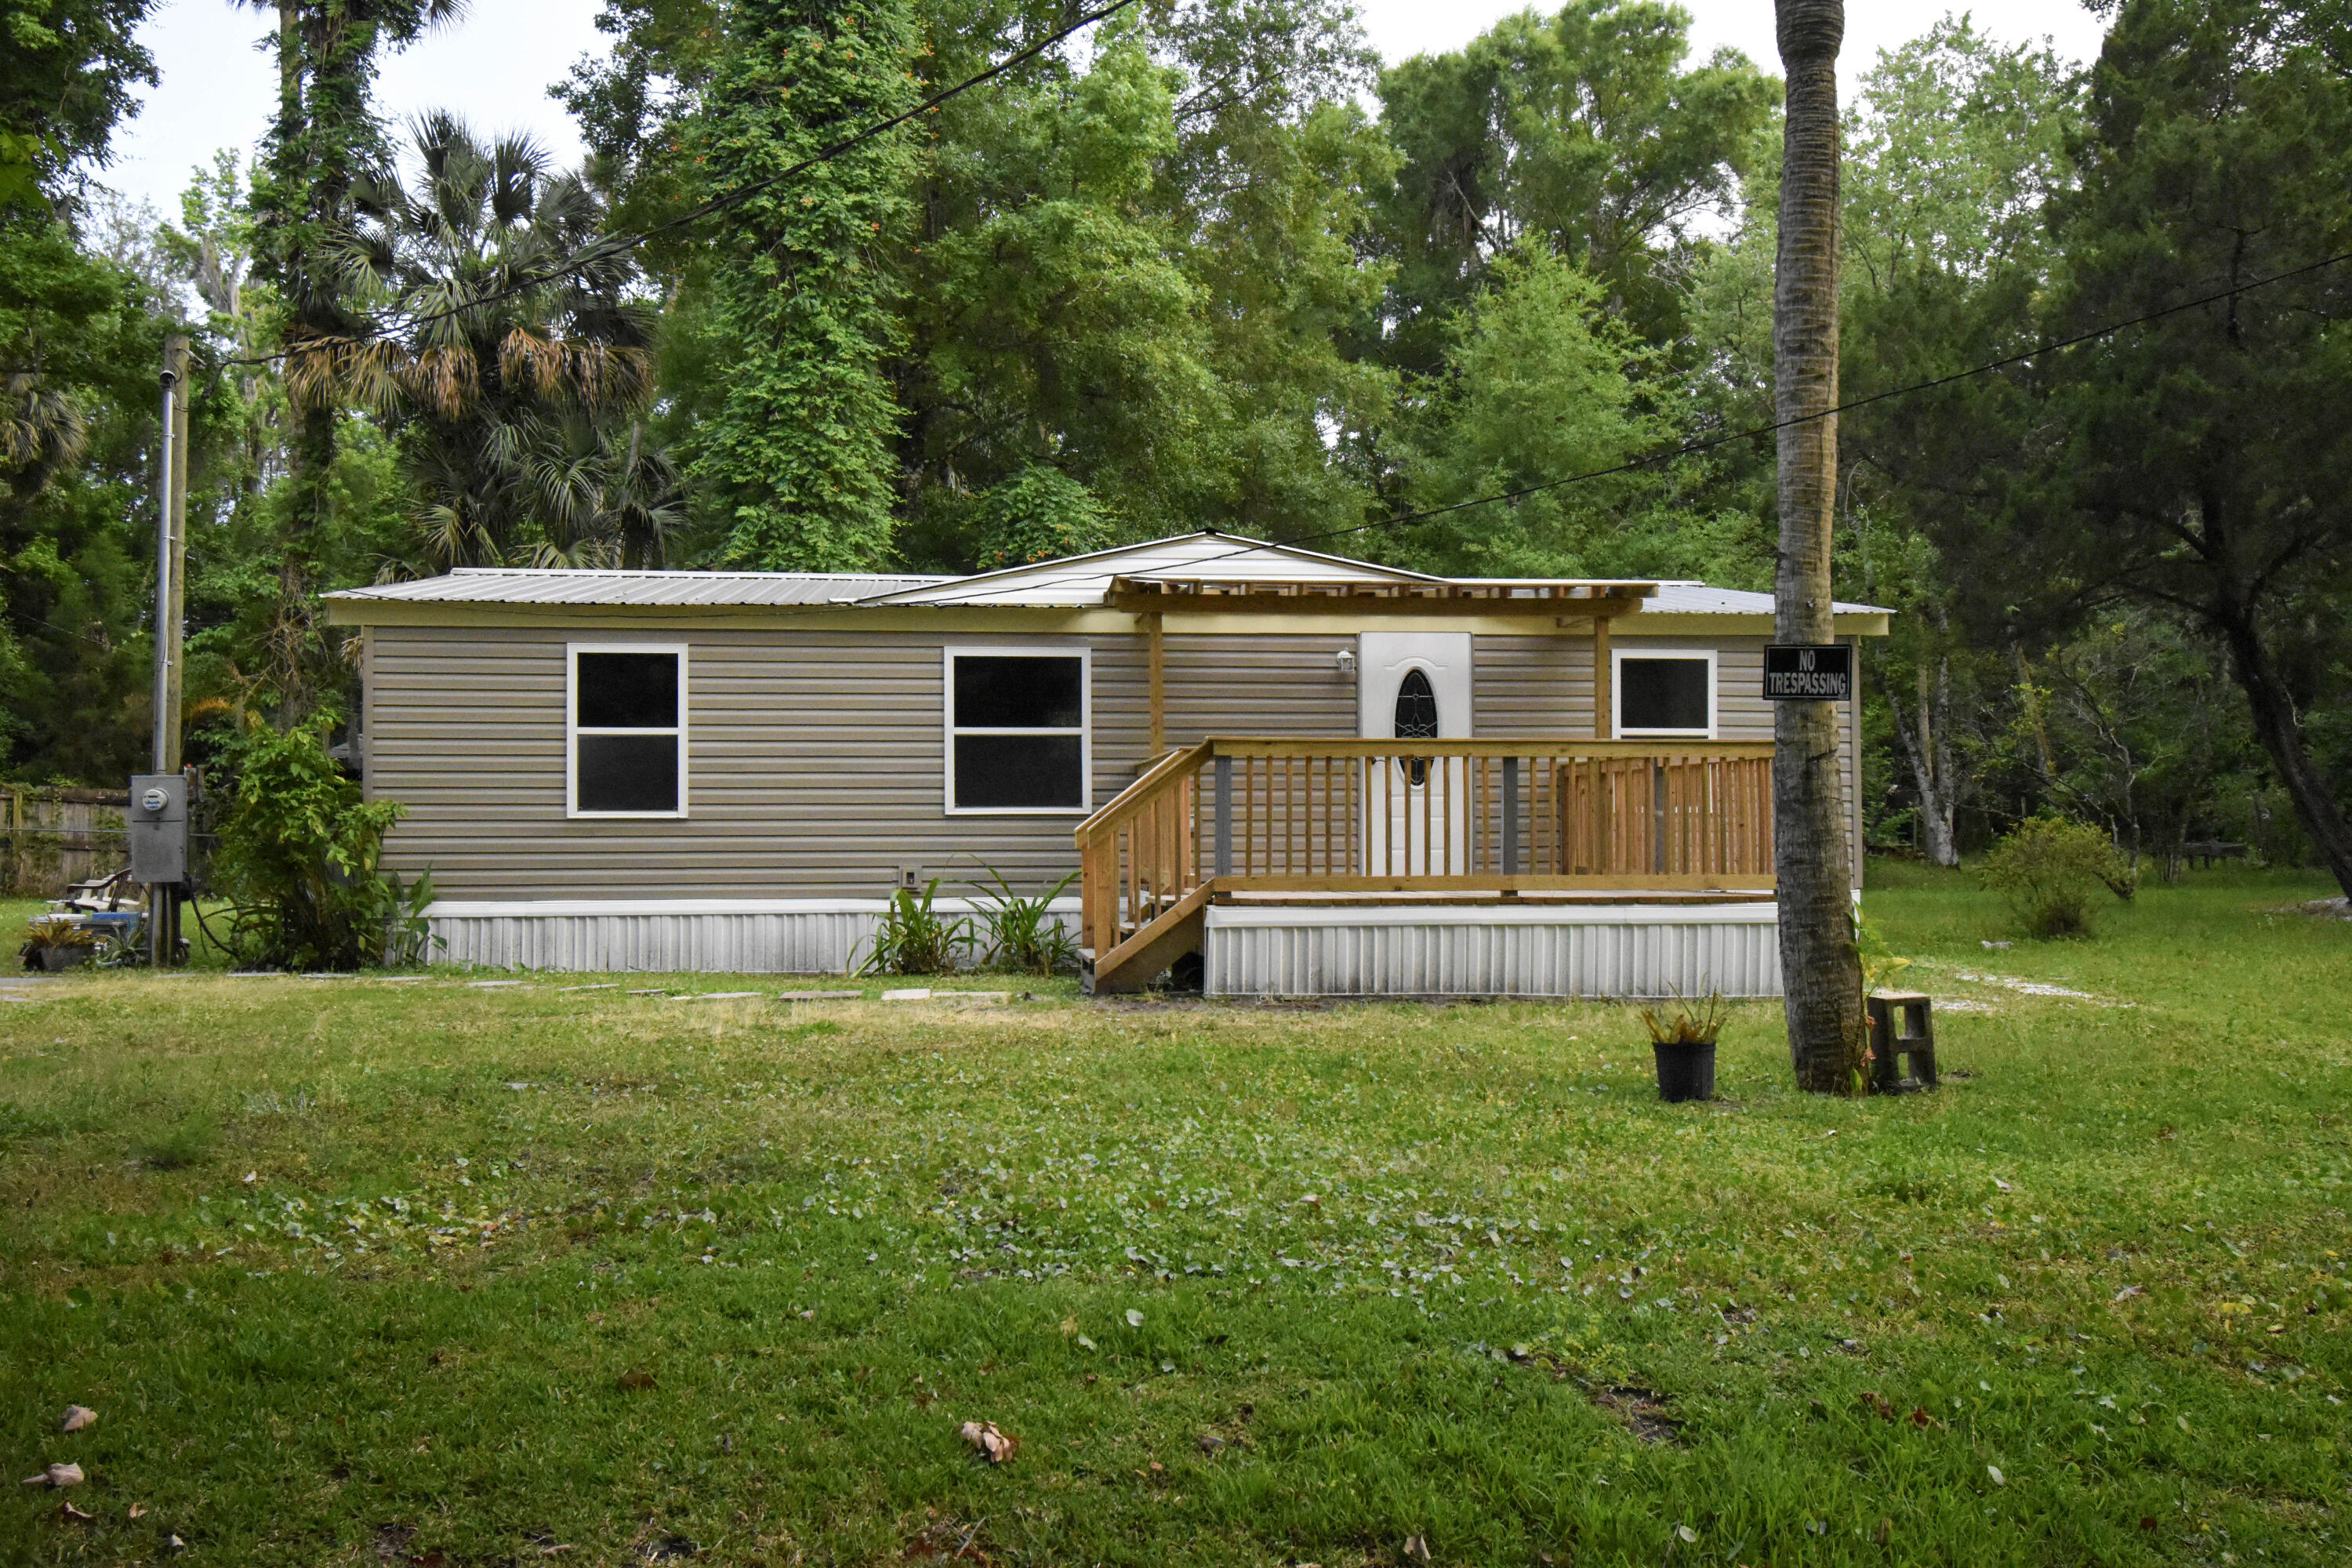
611, 245
1689, 449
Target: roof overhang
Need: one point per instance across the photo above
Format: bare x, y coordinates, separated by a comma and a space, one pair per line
1429, 596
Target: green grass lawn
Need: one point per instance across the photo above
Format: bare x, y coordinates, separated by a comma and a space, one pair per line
359, 1271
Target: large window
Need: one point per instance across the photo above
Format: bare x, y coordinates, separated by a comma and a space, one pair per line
1016, 730
626, 736
1665, 691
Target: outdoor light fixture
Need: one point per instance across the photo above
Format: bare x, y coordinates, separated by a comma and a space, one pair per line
1347, 658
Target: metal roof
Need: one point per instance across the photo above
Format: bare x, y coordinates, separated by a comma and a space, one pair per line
1078, 582
536, 586
1082, 580
1690, 598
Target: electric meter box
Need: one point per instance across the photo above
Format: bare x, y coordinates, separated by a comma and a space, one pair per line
157, 825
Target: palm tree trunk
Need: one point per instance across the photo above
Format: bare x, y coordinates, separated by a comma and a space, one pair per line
1819, 969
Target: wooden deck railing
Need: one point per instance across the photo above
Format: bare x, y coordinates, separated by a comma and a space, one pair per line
1370, 816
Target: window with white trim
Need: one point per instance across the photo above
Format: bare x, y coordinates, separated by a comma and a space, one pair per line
625, 731
1664, 692
1016, 730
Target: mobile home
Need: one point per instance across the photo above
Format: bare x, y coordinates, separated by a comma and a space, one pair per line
1308, 774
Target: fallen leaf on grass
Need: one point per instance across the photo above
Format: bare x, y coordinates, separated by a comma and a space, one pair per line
1416, 1549
2004, 1186
1878, 1404
1134, 1318
1919, 1418
77, 1417
137, 1511
1997, 1479
68, 1514
992, 1443
57, 1476
634, 1380
2128, 1292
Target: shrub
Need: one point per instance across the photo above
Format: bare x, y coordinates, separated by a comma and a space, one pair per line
2051, 869
913, 939
1024, 934
299, 862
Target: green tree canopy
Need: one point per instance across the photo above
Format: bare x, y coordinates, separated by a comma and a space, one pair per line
797, 454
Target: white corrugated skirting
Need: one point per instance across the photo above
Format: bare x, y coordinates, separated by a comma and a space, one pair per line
1559, 950
776, 936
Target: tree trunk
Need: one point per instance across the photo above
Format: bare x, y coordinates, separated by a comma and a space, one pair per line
1819, 969
2281, 733
1927, 742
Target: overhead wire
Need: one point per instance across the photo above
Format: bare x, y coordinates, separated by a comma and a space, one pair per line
613, 245
1707, 444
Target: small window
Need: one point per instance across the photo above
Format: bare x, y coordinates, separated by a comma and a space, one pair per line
628, 731
1663, 693
1416, 708
1016, 730
1416, 720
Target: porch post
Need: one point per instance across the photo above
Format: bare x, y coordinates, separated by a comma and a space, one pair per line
1225, 817
1155, 645
1510, 817
1603, 680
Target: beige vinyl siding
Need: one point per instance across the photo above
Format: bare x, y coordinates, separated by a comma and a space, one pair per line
815, 761
1531, 686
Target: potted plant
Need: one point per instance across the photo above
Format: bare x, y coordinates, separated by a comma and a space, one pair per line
58, 942
1683, 1039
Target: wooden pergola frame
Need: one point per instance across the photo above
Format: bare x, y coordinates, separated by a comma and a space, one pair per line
1598, 600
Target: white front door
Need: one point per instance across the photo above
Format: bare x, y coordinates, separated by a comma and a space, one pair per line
1414, 686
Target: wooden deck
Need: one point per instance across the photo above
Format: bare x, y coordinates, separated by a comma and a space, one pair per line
1346, 820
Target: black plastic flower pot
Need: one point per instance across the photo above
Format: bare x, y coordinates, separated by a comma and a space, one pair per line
1684, 1072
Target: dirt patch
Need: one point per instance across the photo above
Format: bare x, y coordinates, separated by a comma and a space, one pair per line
1642, 1410
2324, 909
949, 1540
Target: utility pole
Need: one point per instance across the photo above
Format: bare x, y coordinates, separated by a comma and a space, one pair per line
171, 602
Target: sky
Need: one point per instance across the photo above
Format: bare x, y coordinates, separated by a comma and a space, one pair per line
494, 68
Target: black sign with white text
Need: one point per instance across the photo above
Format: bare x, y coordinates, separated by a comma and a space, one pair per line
1793, 673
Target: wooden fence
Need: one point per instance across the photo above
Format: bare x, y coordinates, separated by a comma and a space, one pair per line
52, 838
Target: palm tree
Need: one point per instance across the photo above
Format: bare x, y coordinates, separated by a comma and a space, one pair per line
1820, 968
322, 135
519, 361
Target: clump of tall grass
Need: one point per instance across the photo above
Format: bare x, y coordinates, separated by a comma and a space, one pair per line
1023, 934
913, 938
